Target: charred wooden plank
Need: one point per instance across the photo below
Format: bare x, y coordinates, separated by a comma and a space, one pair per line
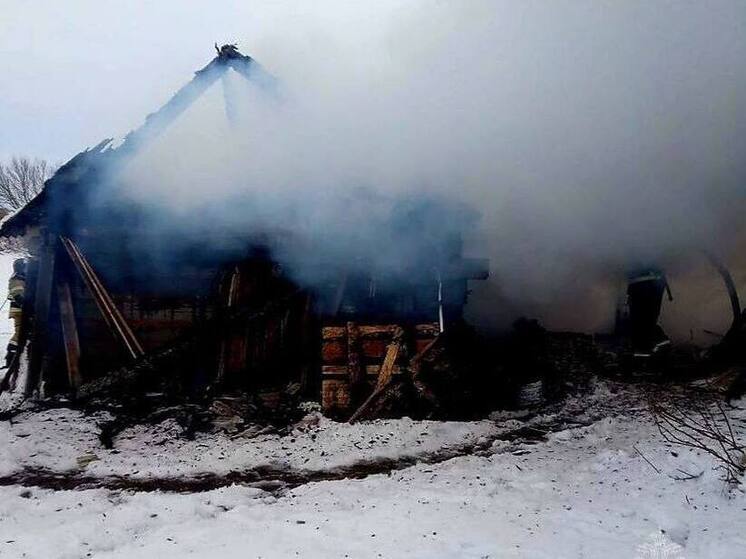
111, 314
118, 383
387, 368
223, 352
69, 334
384, 376
374, 341
423, 352
42, 303
354, 363
415, 366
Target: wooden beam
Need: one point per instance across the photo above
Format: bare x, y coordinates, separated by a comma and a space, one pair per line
387, 367
160, 120
378, 331
230, 300
354, 365
69, 334
415, 366
113, 318
42, 300
385, 374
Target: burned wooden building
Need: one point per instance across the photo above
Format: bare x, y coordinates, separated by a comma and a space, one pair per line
222, 311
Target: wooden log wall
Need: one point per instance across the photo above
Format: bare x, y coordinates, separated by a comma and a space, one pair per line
155, 322
339, 369
269, 347
77, 340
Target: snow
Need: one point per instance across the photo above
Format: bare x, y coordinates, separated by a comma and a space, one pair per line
582, 492
321, 446
51, 439
55, 439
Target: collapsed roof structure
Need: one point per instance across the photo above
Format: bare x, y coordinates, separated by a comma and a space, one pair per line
226, 313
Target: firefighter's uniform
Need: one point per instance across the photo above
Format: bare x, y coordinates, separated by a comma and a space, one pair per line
16, 295
645, 290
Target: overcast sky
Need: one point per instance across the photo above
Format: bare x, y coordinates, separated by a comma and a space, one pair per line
76, 71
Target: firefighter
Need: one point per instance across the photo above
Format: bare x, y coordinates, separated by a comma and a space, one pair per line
16, 295
645, 288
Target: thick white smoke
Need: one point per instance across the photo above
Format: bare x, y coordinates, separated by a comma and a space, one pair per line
589, 136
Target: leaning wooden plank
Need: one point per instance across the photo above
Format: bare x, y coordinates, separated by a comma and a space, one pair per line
113, 318
69, 334
369, 403
363, 409
113, 310
387, 392
414, 363
124, 380
120, 322
384, 376
387, 367
93, 288
415, 366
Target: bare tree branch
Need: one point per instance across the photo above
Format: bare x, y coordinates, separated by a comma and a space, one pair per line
698, 420
21, 180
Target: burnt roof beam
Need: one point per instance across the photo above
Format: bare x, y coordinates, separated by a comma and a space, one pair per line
228, 57
157, 122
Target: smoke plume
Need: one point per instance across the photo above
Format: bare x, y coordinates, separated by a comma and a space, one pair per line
572, 141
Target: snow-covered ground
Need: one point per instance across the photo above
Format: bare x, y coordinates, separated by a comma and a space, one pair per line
59, 440
583, 492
